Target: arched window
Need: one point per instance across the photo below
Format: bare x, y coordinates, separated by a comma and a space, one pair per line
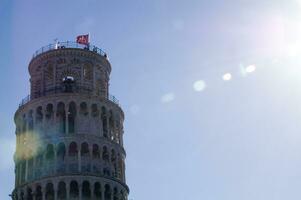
122, 195
61, 151
111, 124
71, 117
74, 191
49, 152
22, 195
49, 191
39, 158
104, 122
105, 154
49, 111
30, 120
115, 197
39, 195
84, 109
29, 194
84, 149
108, 192
96, 153
86, 189
39, 115
97, 190
62, 193
106, 171
73, 149
94, 110
113, 156
61, 117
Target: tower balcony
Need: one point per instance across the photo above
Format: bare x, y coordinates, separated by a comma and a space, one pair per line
61, 90
70, 45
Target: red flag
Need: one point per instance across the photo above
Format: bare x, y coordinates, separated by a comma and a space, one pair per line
83, 39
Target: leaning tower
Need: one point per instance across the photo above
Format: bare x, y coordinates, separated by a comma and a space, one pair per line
69, 130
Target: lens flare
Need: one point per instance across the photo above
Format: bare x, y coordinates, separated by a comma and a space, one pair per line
199, 85
166, 98
250, 68
227, 77
28, 145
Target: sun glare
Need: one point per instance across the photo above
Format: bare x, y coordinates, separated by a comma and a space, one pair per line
227, 77
199, 85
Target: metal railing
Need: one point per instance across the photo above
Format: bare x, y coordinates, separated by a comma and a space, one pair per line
69, 44
56, 90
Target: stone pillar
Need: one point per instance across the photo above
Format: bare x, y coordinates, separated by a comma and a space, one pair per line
102, 191
67, 121
55, 193
26, 170
92, 192
79, 159
80, 191
68, 190
43, 193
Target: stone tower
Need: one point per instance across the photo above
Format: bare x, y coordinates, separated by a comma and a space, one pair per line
69, 129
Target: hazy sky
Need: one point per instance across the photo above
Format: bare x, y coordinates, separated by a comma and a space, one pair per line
211, 90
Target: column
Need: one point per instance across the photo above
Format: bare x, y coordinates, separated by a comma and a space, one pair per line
79, 159
43, 193
80, 191
67, 120
102, 191
68, 190
55, 159
55, 193
26, 170
54, 118
92, 191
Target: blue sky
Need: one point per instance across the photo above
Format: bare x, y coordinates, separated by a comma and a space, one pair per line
238, 139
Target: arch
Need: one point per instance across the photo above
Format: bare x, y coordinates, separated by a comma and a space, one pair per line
49, 193
30, 120
62, 192
22, 195
120, 166
39, 194
50, 152
104, 122
94, 110
86, 189
49, 111
115, 194
105, 154
39, 115
39, 157
97, 190
95, 150
29, 194
83, 109
24, 128
71, 117
84, 149
111, 126
113, 155
61, 152
61, 117
122, 195
30, 169
73, 149
106, 171
108, 192
74, 191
